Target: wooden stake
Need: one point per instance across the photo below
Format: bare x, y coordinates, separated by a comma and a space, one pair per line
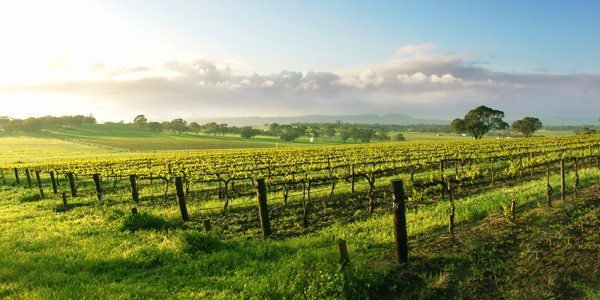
181, 198
98, 185
562, 180
17, 175
263, 209
399, 210
343, 249
53, 181
28, 175
135, 195
39, 184
207, 225
72, 185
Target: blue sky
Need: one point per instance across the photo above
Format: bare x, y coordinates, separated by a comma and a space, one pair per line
434, 59
510, 36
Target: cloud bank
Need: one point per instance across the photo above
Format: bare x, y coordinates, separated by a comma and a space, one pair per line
415, 81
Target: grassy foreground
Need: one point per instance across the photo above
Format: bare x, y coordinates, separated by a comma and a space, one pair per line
101, 251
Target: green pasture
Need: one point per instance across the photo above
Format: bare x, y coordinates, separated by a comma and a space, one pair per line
97, 249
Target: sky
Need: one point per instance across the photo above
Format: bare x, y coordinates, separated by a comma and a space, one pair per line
199, 59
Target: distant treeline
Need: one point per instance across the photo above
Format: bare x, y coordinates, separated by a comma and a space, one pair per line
356, 132
36, 124
343, 131
434, 128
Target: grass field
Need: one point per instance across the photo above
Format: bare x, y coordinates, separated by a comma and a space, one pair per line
93, 249
99, 250
102, 139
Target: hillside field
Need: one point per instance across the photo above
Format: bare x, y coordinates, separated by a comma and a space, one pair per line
98, 248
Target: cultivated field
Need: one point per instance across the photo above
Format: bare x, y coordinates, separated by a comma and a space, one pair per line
464, 237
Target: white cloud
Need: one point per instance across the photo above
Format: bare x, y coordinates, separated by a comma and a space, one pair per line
414, 81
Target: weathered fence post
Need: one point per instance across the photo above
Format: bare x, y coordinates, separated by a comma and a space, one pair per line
343, 249
442, 177
306, 202
207, 225
17, 175
399, 210
72, 185
548, 187
576, 183
135, 195
181, 198
352, 180
64, 200
39, 184
513, 207
492, 171
263, 209
562, 180
53, 181
98, 185
28, 175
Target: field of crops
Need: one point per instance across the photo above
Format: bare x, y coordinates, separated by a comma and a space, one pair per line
75, 216
304, 179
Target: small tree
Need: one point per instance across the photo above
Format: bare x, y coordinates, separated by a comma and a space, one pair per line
527, 126
178, 125
329, 131
479, 121
155, 127
458, 126
140, 120
345, 133
290, 133
248, 132
195, 127
399, 137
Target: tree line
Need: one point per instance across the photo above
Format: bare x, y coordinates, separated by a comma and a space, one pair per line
32, 124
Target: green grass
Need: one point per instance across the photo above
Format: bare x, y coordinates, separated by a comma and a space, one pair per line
89, 141
30, 149
99, 250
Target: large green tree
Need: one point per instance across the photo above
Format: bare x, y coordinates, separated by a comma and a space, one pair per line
479, 121
527, 126
140, 120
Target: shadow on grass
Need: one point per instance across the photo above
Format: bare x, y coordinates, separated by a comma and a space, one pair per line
200, 242
29, 197
146, 221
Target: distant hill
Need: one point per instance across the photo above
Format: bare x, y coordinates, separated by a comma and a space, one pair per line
396, 119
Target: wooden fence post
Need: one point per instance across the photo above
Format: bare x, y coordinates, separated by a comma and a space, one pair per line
135, 195
53, 181
562, 180
576, 183
181, 198
17, 175
399, 209
548, 187
64, 200
71, 178
263, 209
343, 249
442, 177
28, 175
352, 180
513, 207
207, 225
39, 184
98, 185
492, 171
